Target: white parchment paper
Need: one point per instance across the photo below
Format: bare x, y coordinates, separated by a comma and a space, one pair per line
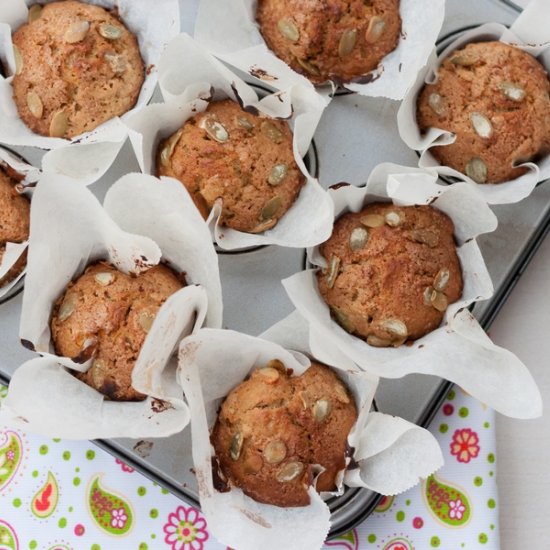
88, 156
213, 362
459, 350
189, 78
70, 230
233, 36
13, 251
531, 33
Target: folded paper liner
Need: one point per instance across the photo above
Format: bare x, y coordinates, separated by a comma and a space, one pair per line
91, 153
234, 37
190, 78
392, 454
13, 251
459, 350
144, 220
531, 33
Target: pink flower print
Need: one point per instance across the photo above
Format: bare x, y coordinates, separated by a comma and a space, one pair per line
465, 445
124, 466
118, 518
456, 509
10, 455
185, 530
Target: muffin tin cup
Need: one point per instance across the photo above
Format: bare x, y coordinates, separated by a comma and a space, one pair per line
189, 79
530, 33
70, 230
459, 350
13, 252
234, 37
384, 447
88, 156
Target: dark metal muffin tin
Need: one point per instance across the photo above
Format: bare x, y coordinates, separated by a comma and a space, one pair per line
354, 135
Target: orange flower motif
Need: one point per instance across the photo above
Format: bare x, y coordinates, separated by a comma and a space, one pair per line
465, 445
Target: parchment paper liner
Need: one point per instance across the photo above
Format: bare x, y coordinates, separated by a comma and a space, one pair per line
392, 454
459, 350
14, 250
233, 36
70, 230
187, 77
531, 33
91, 153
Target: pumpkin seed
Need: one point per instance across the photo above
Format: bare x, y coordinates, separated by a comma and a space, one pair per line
439, 300
275, 452
264, 226
436, 103
277, 174
442, 279
464, 60
271, 131
303, 399
358, 238
334, 266
377, 342
35, 105
271, 208
477, 170
343, 320
481, 124
375, 29
18, 60
168, 150
310, 67
270, 374
393, 219
347, 42
59, 124
236, 446
288, 29
35, 12
289, 472
117, 62
373, 220
428, 295
244, 122
145, 320
66, 309
424, 236
104, 278
321, 410
110, 32
512, 91
77, 32
341, 394
214, 129
396, 327
276, 364
97, 372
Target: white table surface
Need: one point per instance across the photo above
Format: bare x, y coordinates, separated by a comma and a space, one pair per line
523, 447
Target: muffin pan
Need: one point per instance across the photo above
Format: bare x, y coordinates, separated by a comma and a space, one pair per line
354, 135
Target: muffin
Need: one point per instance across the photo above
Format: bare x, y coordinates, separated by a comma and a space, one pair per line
242, 158
106, 315
273, 429
391, 272
338, 40
77, 67
14, 220
494, 98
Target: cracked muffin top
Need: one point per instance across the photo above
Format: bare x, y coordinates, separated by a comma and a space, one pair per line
273, 428
391, 272
495, 98
243, 159
77, 66
106, 315
338, 40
